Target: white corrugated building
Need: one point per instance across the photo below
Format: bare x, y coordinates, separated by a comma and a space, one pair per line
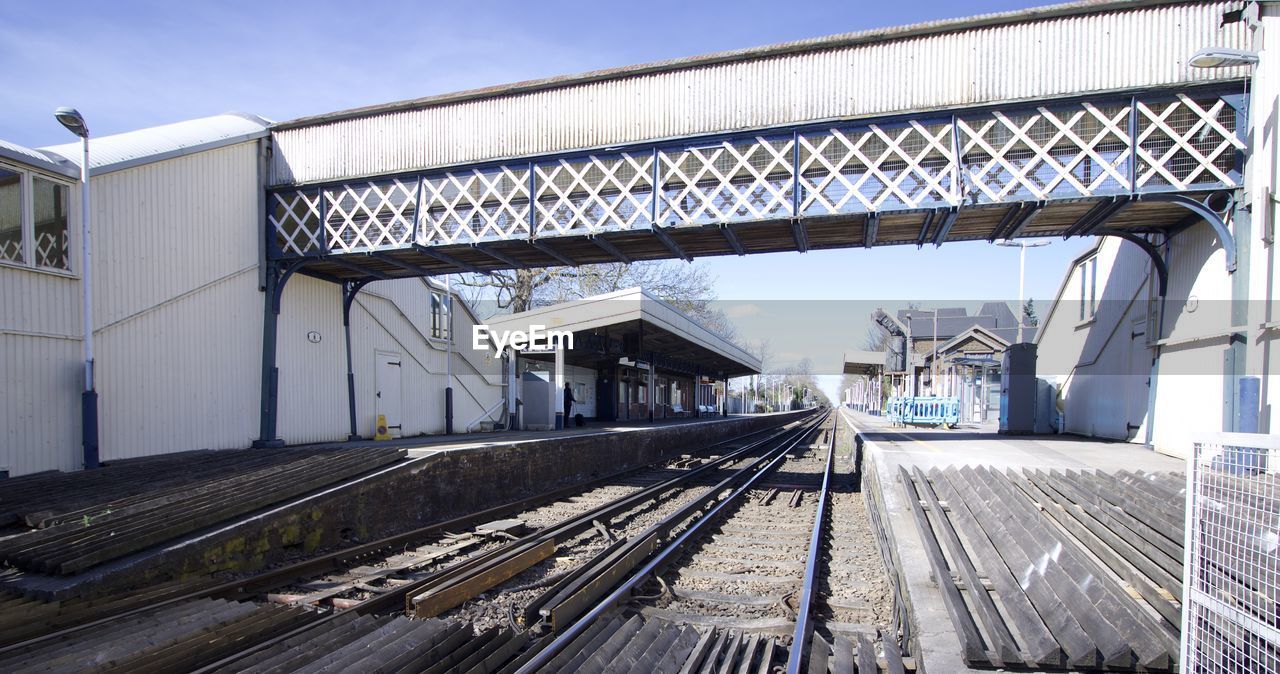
178, 311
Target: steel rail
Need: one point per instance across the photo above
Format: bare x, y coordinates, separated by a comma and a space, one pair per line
804, 630
333, 561
467, 569
661, 558
397, 596
622, 559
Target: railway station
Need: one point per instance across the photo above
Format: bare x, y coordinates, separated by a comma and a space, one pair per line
260, 414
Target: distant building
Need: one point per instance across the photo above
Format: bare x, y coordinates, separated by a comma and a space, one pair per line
953, 353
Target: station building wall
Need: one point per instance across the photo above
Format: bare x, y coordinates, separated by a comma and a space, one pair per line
178, 330
1103, 364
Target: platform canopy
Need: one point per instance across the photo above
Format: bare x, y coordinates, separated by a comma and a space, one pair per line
863, 362
630, 324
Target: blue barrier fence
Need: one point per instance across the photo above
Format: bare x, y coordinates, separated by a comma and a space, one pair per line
923, 410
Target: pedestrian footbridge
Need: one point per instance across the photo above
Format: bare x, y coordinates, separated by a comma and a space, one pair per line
1070, 121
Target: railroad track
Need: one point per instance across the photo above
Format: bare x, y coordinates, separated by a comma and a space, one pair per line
738, 589
300, 603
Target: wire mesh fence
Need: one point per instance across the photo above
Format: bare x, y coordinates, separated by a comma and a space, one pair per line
1231, 618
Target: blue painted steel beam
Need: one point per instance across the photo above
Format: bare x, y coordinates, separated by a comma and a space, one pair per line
732, 238
870, 227
448, 259
500, 256
671, 244
1096, 216
1029, 211
564, 259
407, 266
611, 249
346, 263
1005, 221
944, 228
1112, 209
924, 228
800, 235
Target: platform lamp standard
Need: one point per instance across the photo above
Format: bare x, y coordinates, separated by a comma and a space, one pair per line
1022, 272
74, 122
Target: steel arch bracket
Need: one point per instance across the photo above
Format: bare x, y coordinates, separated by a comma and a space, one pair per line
1161, 267
1208, 215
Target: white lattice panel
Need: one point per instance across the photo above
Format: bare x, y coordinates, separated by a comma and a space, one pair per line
749, 179
1070, 151
370, 215
1081, 151
11, 246
595, 194
877, 168
1187, 142
1231, 576
51, 249
295, 217
476, 205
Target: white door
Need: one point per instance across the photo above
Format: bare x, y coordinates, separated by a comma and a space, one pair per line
387, 384
1139, 377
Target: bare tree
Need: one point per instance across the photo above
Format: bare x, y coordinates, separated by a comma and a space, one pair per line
687, 287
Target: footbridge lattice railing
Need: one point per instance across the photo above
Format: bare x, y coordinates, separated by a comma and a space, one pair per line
1083, 149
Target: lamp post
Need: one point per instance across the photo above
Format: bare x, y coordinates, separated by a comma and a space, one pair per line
74, 122
1022, 270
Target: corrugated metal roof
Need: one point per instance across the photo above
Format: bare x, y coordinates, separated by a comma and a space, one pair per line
35, 159
144, 146
737, 55
1097, 49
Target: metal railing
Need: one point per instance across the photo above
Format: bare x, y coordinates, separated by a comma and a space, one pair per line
923, 410
1231, 566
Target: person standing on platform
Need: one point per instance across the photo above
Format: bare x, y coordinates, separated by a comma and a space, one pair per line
568, 404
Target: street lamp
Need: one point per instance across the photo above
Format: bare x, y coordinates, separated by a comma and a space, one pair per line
74, 122
1222, 57
1022, 271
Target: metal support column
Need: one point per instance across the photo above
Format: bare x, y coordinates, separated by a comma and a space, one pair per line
652, 378
558, 392
1236, 357
277, 276
349, 290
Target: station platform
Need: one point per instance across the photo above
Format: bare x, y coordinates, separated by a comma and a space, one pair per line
190, 515
433, 444
888, 449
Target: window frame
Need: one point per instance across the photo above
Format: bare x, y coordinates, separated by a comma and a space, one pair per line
441, 322
27, 212
1088, 289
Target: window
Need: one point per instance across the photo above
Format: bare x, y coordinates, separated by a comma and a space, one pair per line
11, 248
1088, 287
439, 315
50, 224
33, 221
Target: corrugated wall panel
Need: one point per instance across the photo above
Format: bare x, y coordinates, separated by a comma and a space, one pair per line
168, 228
1022, 61
176, 305
391, 316
184, 376
39, 404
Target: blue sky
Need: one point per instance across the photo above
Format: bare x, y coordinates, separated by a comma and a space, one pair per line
128, 65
